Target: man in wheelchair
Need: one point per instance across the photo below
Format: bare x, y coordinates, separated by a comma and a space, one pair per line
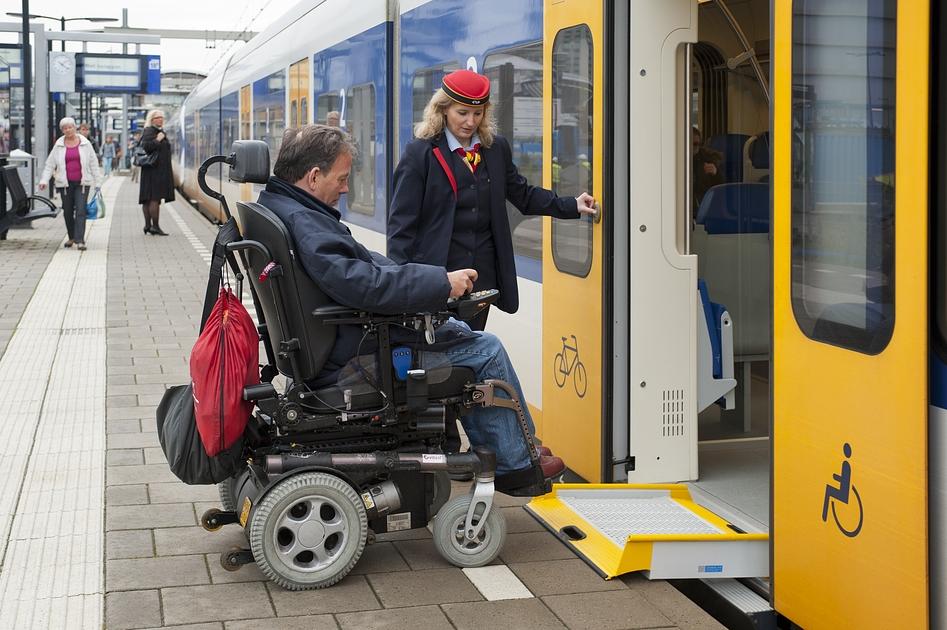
309, 177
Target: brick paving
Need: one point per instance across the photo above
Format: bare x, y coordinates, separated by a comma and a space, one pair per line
162, 569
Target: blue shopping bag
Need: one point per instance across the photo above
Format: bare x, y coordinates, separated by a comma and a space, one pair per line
95, 209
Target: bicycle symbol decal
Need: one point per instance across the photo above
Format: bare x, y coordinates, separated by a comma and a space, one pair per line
567, 363
841, 494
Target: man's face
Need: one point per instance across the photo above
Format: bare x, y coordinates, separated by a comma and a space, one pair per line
329, 186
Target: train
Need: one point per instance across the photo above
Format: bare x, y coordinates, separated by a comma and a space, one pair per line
761, 312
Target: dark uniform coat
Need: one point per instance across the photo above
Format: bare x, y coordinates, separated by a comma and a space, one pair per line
349, 273
421, 217
157, 181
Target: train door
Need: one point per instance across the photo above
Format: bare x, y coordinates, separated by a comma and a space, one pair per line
299, 93
850, 306
619, 296
573, 297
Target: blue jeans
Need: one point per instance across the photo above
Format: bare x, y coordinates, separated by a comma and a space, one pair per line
494, 427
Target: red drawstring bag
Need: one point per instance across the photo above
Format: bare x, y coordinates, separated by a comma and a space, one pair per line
224, 360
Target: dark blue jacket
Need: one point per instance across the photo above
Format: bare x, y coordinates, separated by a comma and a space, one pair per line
421, 217
346, 271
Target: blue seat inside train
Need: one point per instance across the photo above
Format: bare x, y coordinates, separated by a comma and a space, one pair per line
712, 312
740, 208
731, 146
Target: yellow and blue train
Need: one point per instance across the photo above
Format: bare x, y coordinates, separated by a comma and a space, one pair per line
763, 316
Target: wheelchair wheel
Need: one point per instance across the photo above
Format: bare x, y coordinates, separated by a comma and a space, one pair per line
308, 531
227, 489
442, 490
449, 537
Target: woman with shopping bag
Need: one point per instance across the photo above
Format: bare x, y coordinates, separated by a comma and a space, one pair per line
75, 166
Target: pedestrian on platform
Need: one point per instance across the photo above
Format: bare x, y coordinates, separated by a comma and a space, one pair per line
75, 166
108, 155
157, 181
450, 190
85, 132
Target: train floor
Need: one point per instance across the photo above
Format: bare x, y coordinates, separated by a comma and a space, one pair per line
96, 532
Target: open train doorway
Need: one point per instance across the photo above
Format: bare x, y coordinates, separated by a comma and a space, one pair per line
731, 236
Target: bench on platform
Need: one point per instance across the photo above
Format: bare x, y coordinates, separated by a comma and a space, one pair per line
22, 207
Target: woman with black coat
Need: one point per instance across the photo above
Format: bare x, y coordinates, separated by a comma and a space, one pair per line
450, 189
157, 181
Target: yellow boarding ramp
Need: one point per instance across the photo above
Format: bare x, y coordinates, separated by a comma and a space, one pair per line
654, 528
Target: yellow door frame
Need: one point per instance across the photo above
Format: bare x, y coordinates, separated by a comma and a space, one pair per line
826, 396
572, 408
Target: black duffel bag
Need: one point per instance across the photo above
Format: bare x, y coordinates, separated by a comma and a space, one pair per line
181, 442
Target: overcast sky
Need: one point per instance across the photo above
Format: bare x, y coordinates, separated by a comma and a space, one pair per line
198, 55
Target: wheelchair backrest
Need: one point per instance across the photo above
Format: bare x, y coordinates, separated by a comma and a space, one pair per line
300, 295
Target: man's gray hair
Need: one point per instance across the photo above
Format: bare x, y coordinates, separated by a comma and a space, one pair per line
308, 147
68, 120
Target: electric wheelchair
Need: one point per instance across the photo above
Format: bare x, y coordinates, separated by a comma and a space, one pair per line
328, 468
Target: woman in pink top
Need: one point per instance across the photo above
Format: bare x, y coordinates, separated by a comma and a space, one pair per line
75, 166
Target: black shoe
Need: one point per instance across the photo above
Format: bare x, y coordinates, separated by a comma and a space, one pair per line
158, 231
525, 482
146, 229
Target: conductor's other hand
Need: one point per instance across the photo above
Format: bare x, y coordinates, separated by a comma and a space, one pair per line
160, 136
461, 281
586, 204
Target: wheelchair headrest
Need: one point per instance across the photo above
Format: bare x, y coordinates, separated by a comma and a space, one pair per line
251, 163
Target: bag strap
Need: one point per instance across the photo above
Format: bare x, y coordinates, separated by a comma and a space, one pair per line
450, 173
228, 233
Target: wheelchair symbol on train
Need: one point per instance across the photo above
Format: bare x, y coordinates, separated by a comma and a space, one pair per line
567, 363
843, 494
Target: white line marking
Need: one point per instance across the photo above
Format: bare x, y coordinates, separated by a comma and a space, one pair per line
496, 582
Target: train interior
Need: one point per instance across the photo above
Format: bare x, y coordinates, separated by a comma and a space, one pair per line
730, 235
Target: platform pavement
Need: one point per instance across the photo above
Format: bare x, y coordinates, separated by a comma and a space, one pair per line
158, 568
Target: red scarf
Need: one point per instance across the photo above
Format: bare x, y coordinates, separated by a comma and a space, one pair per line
471, 158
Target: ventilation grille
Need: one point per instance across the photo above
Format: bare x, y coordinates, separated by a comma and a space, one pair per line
672, 413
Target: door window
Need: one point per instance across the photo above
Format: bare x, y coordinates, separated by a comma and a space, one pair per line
572, 144
843, 166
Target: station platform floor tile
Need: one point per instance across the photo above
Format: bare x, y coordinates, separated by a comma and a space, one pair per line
96, 532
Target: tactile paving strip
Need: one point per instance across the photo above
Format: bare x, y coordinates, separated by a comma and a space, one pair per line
53, 452
619, 516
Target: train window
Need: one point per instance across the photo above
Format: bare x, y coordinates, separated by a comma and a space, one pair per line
424, 84
190, 138
209, 132
269, 110
330, 102
516, 94
572, 144
359, 112
229, 120
246, 130
843, 164
360, 123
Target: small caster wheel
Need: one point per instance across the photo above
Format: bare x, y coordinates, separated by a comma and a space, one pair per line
370, 538
210, 521
231, 560
455, 547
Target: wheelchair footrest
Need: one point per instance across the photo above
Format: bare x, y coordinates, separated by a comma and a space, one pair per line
526, 482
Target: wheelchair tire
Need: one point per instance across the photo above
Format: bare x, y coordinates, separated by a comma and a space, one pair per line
227, 489
308, 531
449, 535
442, 489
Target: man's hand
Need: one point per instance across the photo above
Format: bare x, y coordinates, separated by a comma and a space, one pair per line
461, 281
42, 185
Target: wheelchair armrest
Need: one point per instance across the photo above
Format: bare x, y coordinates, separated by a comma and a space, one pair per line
334, 310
